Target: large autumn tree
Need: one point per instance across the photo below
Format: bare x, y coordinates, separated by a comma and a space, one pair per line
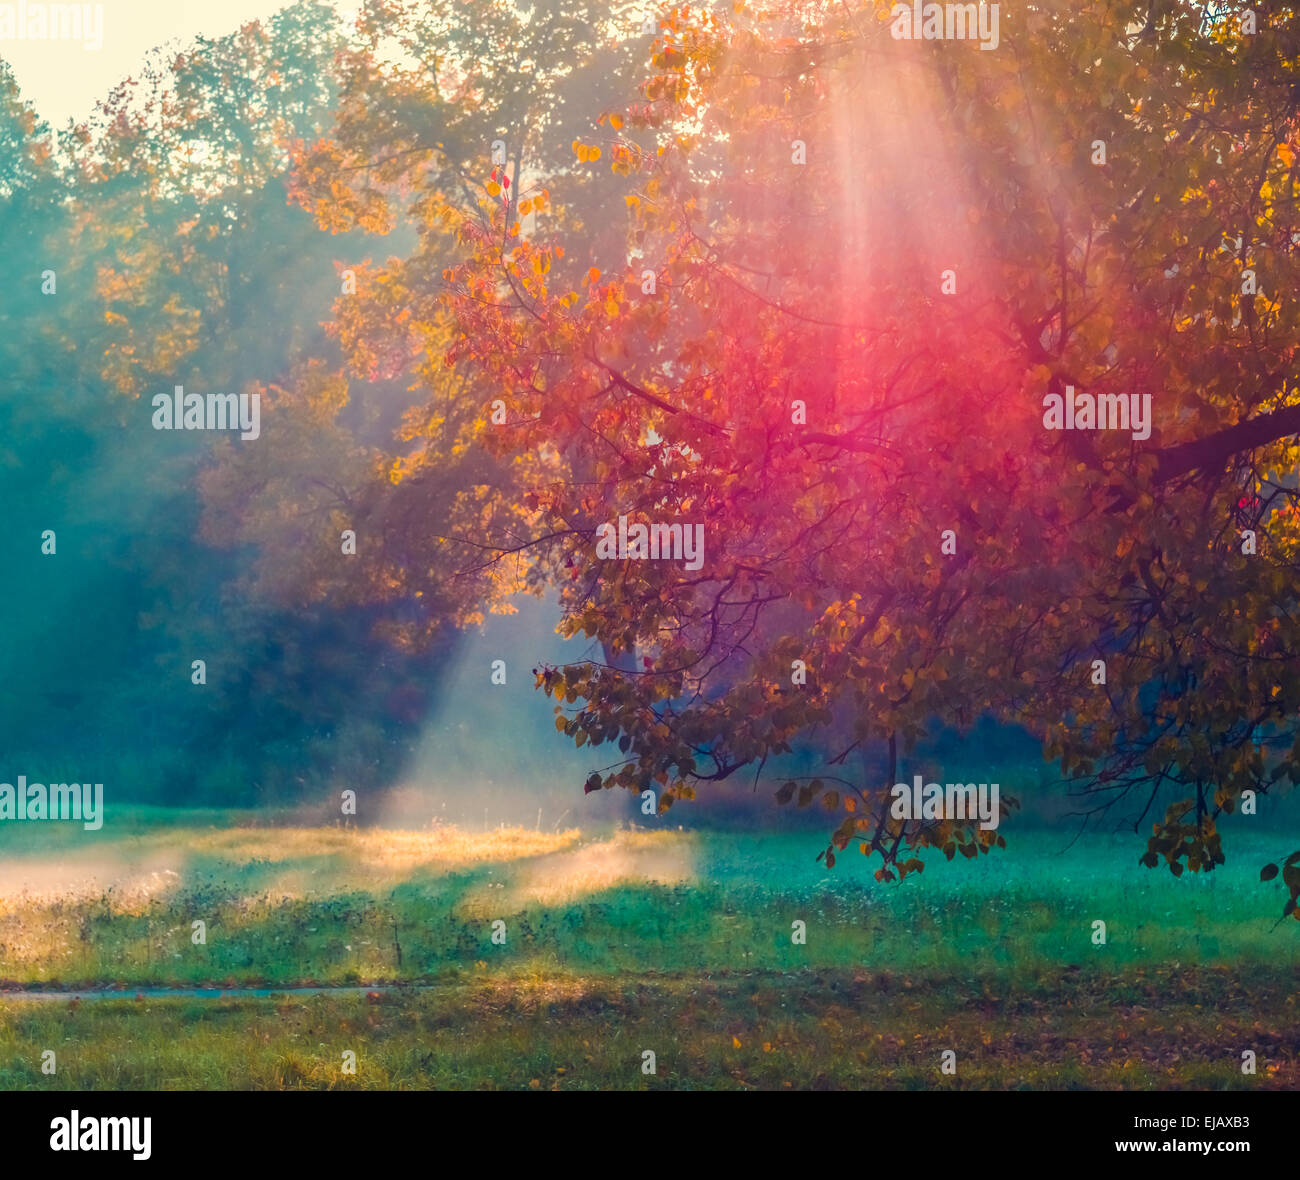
850, 269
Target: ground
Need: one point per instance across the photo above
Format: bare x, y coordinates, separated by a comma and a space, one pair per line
619, 943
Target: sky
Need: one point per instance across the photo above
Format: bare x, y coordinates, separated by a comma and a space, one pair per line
63, 79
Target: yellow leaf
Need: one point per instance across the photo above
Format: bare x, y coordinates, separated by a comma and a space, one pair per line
735, 1042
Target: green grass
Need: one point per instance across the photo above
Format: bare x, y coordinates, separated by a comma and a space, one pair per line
616, 942
806, 1029
334, 906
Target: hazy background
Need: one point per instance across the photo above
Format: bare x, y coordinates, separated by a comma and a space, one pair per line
63, 80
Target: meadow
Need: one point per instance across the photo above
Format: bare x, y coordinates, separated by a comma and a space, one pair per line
620, 941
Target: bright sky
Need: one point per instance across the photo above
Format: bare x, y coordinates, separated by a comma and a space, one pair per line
62, 79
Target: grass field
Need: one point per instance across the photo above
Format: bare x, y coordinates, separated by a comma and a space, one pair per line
620, 942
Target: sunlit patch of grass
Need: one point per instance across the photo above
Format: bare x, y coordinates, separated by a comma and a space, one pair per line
637, 858
375, 854
335, 857
128, 882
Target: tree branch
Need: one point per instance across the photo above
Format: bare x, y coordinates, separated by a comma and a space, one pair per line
1214, 449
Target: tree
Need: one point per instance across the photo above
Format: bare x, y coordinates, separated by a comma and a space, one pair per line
175, 258
471, 120
855, 273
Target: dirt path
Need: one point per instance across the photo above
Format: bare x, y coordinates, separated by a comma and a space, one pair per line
209, 993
